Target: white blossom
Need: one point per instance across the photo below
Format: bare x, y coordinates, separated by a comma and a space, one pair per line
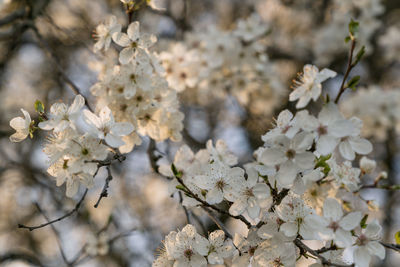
104, 33
309, 85
104, 126
21, 126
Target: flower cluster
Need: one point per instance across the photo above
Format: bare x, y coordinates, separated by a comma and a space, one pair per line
299, 188
211, 63
188, 248
135, 90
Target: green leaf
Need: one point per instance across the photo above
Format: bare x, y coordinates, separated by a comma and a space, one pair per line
397, 237
359, 55
353, 82
353, 28
363, 221
321, 163
39, 107
177, 174
347, 39
180, 187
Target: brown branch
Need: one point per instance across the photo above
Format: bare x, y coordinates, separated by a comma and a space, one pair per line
104, 192
77, 206
395, 247
217, 222
350, 66
56, 233
20, 256
18, 14
304, 249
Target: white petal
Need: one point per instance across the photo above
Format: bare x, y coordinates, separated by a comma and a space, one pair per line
133, 31
126, 55
114, 141
332, 209
376, 248
350, 221
346, 150
326, 144
343, 238
287, 173
360, 145
341, 128
261, 191
91, 119
122, 128
18, 123
77, 105
361, 257
18, 137
289, 229
72, 187
201, 245
214, 196
305, 160
238, 207
121, 39
272, 156
324, 75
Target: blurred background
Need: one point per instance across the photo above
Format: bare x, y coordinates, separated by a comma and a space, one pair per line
128, 226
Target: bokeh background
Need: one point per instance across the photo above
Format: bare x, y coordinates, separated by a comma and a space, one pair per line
139, 211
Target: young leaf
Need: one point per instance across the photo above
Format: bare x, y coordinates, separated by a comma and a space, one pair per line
353, 82
359, 55
39, 107
353, 28
363, 221
397, 237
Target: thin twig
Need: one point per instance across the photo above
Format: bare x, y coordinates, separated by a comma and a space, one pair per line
18, 14
350, 66
56, 233
104, 192
395, 247
217, 222
304, 248
77, 206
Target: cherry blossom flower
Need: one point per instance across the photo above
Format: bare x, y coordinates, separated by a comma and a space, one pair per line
216, 248
367, 244
221, 152
134, 43
181, 247
221, 182
290, 155
104, 127
104, 33
309, 85
338, 227
21, 126
61, 116
298, 219
249, 196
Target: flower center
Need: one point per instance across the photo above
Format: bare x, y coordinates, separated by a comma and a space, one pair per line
334, 226
290, 154
220, 184
322, 130
188, 253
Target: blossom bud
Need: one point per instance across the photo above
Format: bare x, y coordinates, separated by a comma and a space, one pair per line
367, 165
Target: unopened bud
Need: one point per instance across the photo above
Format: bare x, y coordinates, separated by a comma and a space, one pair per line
367, 165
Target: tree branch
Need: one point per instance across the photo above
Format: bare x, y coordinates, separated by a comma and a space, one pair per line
104, 192
304, 248
350, 66
77, 206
